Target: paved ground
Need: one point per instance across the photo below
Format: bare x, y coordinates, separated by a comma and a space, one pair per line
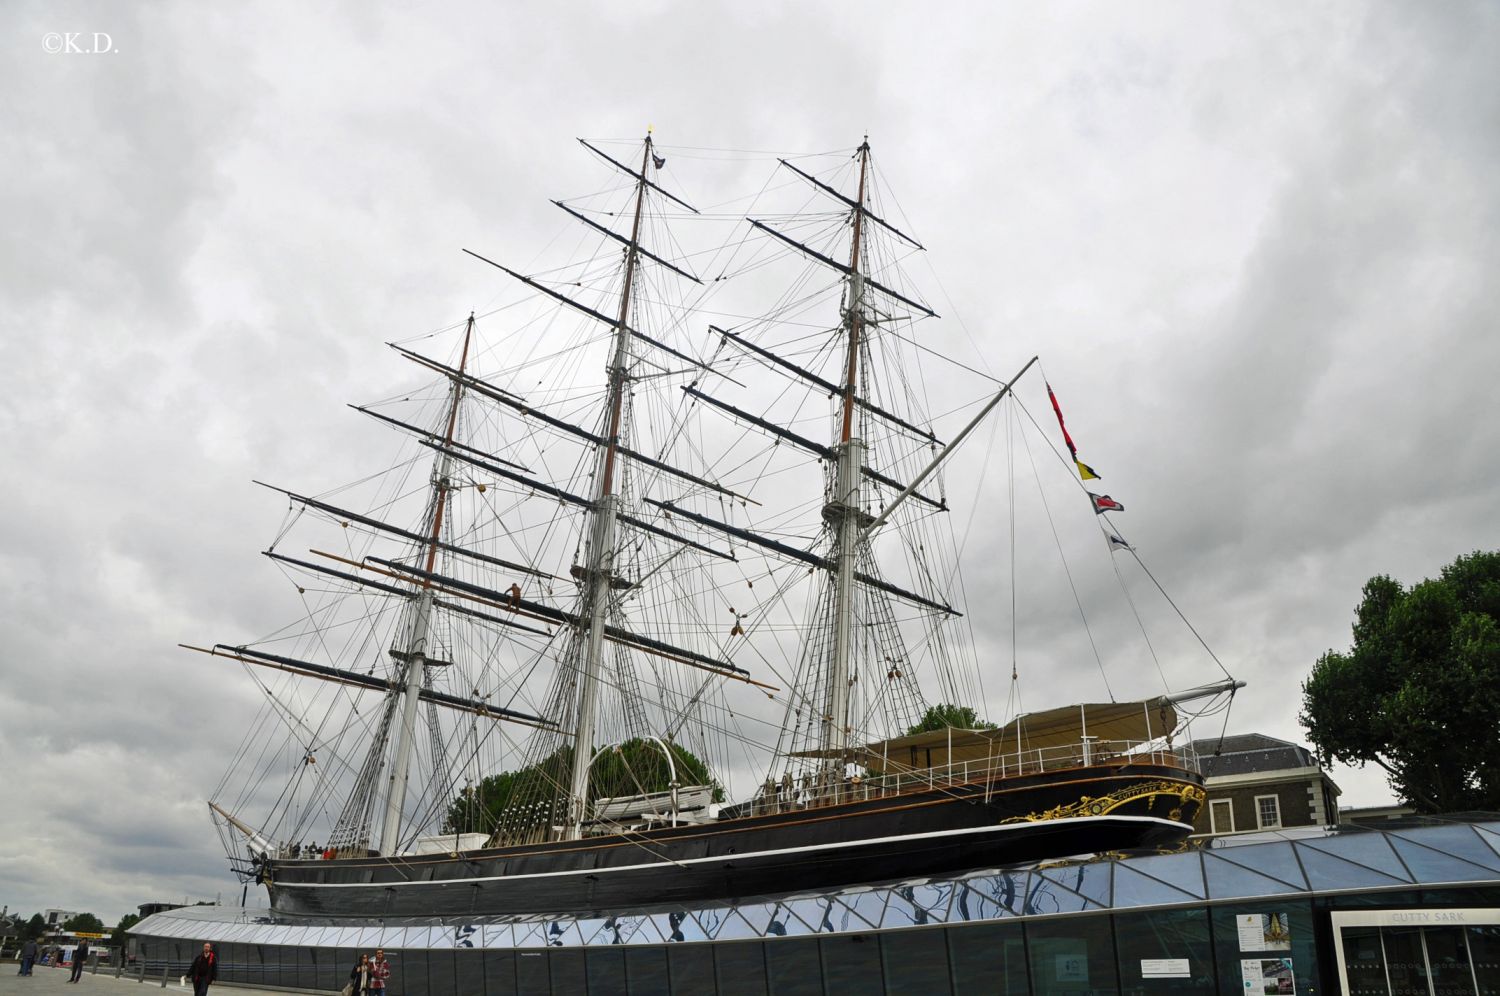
45, 981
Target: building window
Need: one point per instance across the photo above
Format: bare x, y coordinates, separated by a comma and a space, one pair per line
1268, 811
1221, 816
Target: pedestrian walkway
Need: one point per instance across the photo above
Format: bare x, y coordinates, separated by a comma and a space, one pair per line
48, 981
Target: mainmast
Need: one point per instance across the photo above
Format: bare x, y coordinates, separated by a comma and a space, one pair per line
843, 508
414, 658
601, 551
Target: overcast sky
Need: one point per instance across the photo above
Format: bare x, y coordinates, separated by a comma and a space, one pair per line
1254, 244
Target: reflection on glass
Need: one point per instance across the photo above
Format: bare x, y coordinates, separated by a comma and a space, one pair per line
1073, 955
1448, 961
1484, 955
1404, 964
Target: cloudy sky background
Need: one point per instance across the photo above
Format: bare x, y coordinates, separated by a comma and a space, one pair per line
1254, 244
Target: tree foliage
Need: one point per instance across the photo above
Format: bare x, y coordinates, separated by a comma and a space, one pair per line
1418, 691
126, 922
35, 927
946, 714
86, 922
635, 766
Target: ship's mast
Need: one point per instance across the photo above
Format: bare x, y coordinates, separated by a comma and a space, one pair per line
414, 658
844, 509
601, 549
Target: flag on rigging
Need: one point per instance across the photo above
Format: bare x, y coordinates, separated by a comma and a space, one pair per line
1104, 503
1085, 472
658, 161
1116, 543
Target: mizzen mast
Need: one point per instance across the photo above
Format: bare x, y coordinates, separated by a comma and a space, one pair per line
843, 507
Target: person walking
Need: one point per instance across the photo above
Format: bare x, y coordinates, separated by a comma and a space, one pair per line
28, 957
359, 978
80, 958
380, 973
204, 971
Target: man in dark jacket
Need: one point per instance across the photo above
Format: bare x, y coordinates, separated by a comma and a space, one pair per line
28, 957
80, 958
204, 971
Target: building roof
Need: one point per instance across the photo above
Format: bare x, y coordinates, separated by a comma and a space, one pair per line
1250, 753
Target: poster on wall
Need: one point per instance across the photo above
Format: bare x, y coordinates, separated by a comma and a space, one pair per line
1268, 977
1073, 968
1264, 931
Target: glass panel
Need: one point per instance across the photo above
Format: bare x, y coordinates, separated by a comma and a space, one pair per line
1404, 964
1372, 850
851, 964
567, 972
710, 921
909, 905
916, 961
740, 969
1181, 871
1448, 961
1465, 842
1227, 879
606, 968
1428, 865
989, 958
1075, 955
691, 968
646, 970
681, 927
1134, 889
531, 972
793, 968
1046, 896
488, 971
1326, 871
1364, 962
1484, 955
868, 906
972, 903
736, 928
759, 916
1088, 880
1267, 812
1165, 951
1275, 859
441, 975
1253, 940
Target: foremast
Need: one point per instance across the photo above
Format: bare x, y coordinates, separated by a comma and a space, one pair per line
599, 571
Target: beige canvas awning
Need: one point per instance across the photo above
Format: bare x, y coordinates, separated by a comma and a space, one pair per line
1066, 726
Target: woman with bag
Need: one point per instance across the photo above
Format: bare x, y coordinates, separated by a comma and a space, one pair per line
359, 978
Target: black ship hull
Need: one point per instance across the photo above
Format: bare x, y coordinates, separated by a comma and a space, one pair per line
940, 829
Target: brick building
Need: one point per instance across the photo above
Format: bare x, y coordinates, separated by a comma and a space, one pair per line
1256, 782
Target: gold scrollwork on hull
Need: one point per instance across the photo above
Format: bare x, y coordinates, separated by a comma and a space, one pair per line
1185, 793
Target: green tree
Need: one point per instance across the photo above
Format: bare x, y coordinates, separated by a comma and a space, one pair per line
635, 766
35, 927
86, 922
123, 927
1418, 691
946, 714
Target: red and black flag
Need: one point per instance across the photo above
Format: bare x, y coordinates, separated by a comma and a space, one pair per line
1086, 472
1104, 503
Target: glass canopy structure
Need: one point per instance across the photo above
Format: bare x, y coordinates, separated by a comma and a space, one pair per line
1241, 914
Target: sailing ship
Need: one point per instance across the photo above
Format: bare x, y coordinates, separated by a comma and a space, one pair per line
559, 610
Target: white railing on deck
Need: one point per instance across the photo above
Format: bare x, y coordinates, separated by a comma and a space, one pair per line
817, 789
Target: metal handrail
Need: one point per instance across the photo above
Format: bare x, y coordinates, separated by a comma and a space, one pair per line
817, 789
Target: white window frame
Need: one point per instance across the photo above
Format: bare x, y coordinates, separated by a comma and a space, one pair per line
1260, 822
1213, 823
